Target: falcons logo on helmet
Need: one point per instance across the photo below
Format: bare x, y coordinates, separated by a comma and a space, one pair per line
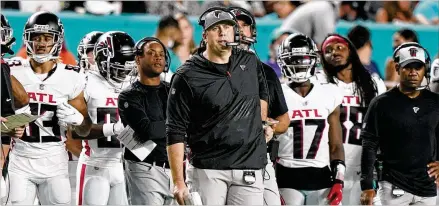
107, 45
413, 52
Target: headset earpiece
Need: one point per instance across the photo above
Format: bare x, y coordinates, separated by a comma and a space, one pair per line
141, 43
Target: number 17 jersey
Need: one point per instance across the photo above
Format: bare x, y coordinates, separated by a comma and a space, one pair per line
101, 98
305, 144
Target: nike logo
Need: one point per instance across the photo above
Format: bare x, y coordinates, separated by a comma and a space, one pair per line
8, 100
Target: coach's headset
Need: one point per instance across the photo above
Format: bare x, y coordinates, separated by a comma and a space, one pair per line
427, 58
141, 43
237, 36
238, 11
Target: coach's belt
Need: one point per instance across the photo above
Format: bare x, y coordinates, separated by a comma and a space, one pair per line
164, 164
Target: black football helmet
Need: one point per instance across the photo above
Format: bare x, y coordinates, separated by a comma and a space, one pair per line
297, 56
6, 36
85, 46
114, 56
43, 22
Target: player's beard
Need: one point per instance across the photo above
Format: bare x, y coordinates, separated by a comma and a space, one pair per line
335, 69
150, 73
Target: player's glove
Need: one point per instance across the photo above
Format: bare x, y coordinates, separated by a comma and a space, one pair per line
67, 114
335, 195
112, 129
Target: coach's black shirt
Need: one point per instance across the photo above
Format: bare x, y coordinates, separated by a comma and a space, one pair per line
6, 87
218, 108
143, 108
406, 131
276, 104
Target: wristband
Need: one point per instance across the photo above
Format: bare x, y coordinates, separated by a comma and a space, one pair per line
107, 130
339, 169
368, 184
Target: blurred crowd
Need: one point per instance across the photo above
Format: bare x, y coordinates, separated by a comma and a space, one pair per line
176, 31
421, 12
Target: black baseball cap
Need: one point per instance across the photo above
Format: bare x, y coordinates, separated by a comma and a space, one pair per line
217, 16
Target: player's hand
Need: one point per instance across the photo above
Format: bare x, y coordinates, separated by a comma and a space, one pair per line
2, 119
118, 127
180, 192
367, 197
433, 170
67, 114
268, 132
17, 132
335, 194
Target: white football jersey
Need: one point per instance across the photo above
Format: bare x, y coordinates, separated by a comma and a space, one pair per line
101, 98
351, 116
62, 84
305, 144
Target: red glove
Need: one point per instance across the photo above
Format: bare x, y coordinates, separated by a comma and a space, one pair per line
336, 194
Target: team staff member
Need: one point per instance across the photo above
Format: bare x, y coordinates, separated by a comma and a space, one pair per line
215, 100
143, 107
404, 124
13, 95
277, 107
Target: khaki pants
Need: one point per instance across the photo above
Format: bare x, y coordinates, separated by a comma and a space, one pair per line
225, 187
386, 197
271, 191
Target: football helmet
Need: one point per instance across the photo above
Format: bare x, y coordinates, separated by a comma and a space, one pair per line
43, 22
6, 32
114, 56
85, 46
297, 57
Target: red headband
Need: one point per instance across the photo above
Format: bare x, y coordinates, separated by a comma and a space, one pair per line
333, 39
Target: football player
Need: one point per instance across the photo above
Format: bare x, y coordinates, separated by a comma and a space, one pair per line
313, 140
100, 174
38, 162
343, 68
277, 107
85, 51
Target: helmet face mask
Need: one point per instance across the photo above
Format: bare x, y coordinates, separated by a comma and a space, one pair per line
85, 50
43, 24
6, 31
6, 35
297, 57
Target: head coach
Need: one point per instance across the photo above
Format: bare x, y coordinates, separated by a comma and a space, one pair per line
404, 124
216, 99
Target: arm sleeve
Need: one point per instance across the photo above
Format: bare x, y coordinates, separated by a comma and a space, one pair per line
277, 105
263, 88
178, 110
132, 112
370, 137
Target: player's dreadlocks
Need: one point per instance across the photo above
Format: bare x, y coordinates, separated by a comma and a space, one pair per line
366, 88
